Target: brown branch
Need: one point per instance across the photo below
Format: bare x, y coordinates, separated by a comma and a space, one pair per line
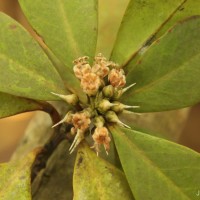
48, 108
58, 135
40, 162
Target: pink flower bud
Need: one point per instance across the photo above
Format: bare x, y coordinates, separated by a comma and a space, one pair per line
117, 78
100, 66
101, 69
101, 137
81, 121
90, 83
80, 70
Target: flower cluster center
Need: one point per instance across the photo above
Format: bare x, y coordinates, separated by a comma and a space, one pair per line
103, 83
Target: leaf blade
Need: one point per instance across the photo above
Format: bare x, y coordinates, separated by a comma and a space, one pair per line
168, 72
188, 9
25, 69
165, 167
12, 105
140, 16
15, 178
77, 21
95, 178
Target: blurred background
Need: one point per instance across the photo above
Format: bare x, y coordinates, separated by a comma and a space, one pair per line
12, 128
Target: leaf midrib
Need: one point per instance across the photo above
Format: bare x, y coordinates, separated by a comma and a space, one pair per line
157, 81
149, 162
154, 33
68, 30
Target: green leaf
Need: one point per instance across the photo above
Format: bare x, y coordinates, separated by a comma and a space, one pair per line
142, 19
156, 168
167, 75
94, 178
189, 8
12, 105
108, 24
15, 178
25, 70
69, 28
70, 81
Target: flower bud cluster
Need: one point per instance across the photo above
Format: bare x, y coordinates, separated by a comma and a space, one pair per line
103, 82
93, 77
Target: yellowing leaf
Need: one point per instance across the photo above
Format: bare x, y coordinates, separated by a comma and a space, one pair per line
94, 178
25, 70
15, 178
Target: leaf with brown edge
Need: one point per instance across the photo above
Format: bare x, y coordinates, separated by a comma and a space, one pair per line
95, 178
15, 178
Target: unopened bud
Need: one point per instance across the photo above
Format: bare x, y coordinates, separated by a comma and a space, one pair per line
117, 94
67, 119
71, 99
112, 117
119, 107
127, 88
88, 112
104, 105
99, 121
77, 140
108, 91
